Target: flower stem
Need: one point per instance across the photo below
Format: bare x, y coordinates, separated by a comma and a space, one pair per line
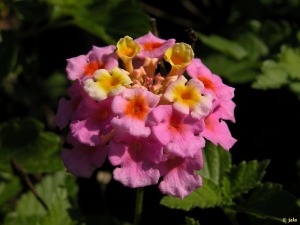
138, 206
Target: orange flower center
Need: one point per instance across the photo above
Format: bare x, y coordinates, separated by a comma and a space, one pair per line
151, 46
91, 67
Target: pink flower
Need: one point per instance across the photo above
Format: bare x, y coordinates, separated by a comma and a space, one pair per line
82, 160
132, 108
176, 131
93, 122
222, 94
84, 66
66, 108
179, 178
217, 131
152, 46
137, 158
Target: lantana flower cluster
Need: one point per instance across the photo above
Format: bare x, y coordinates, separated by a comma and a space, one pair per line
148, 106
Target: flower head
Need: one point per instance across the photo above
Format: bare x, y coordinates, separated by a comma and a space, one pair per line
149, 122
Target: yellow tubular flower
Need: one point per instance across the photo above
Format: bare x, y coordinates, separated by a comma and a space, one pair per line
179, 56
127, 49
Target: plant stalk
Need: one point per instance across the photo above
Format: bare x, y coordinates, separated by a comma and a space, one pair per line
138, 206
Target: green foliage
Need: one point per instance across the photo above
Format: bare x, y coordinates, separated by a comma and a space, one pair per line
191, 221
20, 139
105, 19
225, 184
284, 70
53, 191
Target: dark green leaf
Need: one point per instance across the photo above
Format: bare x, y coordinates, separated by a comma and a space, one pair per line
270, 201
244, 177
9, 187
217, 162
26, 141
128, 19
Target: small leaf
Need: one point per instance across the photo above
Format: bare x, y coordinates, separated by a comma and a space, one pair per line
224, 46
244, 177
191, 221
273, 75
207, 196
290, 60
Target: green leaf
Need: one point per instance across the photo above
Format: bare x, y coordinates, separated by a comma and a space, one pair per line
270, 201
295, 87
234, 71
191, 221
273, 75
26, 141
128, 19
9, 187
223, 45
290, 60
53, 191
244, 177
254, 46
8, 55
217, 162
207, 196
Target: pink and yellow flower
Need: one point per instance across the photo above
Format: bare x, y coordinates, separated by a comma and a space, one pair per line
132, 108
106, 83
84, 66
187, 98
